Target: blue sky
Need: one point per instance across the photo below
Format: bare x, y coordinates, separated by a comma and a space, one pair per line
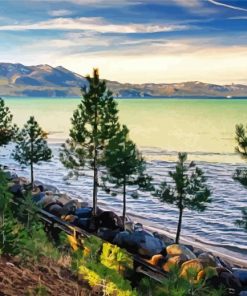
130, 40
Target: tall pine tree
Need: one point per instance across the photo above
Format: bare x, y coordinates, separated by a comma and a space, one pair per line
94, 122
7, 130
241, 174
125, 167
188, 190
31, 145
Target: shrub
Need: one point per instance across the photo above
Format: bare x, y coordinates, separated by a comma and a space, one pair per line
100, 265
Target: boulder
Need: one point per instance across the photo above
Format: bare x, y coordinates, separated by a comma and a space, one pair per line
177, 250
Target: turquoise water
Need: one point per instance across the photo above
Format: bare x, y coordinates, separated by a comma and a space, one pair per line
202, 127
161, 128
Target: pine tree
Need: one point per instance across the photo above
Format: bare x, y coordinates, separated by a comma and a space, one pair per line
5, 195
125, 167
188, 191
32, 146
8, 226
94, 122
242, 222
241, 174
6, 129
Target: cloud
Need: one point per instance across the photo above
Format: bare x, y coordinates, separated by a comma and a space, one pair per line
105, 2
189, 3
96, 24
227, 5
99, 2
196, 7
138, 61
238, 18
71, 43
193, 4
60, 12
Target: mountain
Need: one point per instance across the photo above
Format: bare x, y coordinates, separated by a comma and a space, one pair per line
41, 80
47, 81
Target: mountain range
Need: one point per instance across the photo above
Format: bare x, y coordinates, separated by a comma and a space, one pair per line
47, 81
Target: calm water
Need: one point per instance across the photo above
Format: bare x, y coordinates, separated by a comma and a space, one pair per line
161, 128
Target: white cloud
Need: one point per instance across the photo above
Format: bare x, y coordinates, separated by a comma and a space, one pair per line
196, 7
105, 2
195, 4
238, 18
72, 43
100, 2
93, 24
189, 3
227, 5
60, 12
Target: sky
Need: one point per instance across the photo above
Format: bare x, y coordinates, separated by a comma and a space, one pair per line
136, 41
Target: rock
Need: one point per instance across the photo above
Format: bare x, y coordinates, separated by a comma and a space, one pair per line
177, 250
207, 259
241, 274
174, 261
190, 269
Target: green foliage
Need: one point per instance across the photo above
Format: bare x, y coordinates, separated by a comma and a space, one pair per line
98, 269
122, 159
241, 140
22, 234
11, 235
31, 145
175, 285
125, 166
243, 222
6, 129
36, 245
5, 196
29, 243
35, 242
10, 232
188, 191
111, 282
92, 246
26, 211
94, 122
115, 258
240, 175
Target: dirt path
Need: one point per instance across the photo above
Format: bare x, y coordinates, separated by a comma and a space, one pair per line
45, 278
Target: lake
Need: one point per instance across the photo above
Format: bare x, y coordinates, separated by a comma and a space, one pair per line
205, 128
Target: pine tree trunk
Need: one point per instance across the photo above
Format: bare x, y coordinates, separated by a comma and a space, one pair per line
179, 224
32, 173
3, 218
31, 160
95, 184
95, 168
124, 203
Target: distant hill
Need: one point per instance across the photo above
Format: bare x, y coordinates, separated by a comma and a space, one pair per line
47, 81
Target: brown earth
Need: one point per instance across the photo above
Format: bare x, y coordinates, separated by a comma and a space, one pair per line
44, 278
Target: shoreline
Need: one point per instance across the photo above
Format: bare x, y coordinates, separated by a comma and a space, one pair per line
187, 240
221, 252
187, 97
212, 246
82, 191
